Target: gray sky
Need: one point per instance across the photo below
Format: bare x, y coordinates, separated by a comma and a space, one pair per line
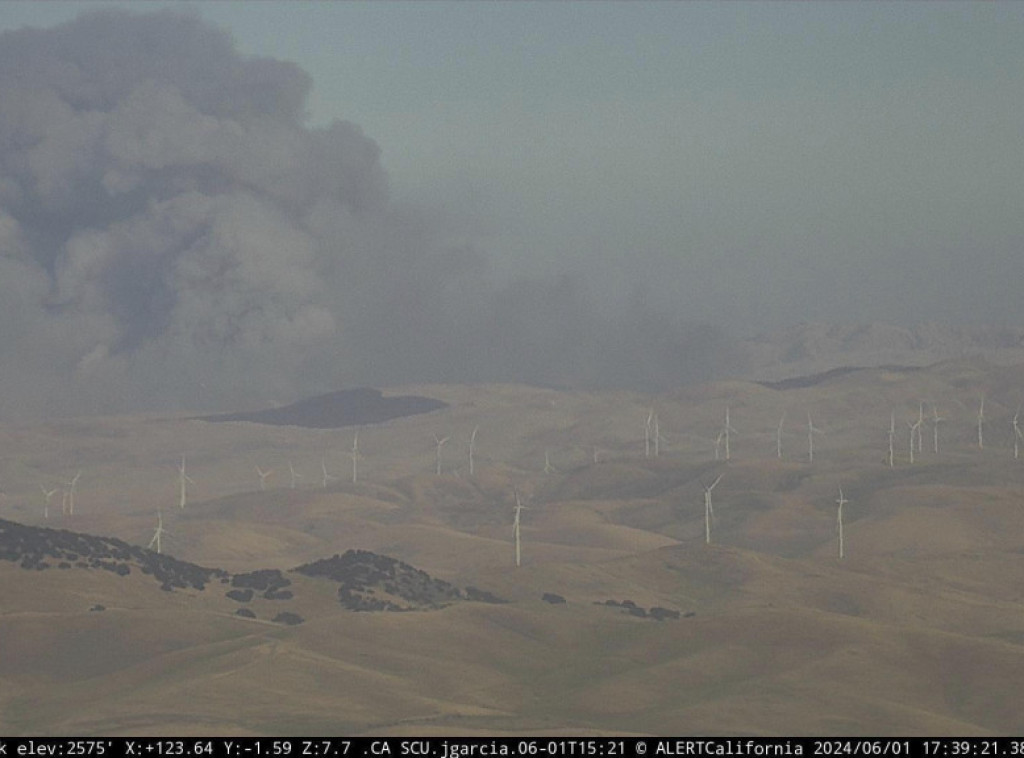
744, 164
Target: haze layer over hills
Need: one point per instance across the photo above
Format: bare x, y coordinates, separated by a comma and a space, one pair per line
764, 630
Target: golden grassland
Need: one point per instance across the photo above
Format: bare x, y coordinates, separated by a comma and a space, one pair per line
919, 630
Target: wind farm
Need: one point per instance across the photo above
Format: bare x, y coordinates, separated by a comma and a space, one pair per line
932, 576
511, 369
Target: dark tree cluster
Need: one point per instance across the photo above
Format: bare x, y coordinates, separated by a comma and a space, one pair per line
362, 574
241, 596
368, 581
271, 582
657, 612
31, 546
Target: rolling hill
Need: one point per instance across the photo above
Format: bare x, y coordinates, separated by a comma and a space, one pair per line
621, 619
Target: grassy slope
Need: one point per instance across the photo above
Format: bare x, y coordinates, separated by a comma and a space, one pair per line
918, 631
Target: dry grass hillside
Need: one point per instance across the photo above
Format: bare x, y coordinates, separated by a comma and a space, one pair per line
918, 630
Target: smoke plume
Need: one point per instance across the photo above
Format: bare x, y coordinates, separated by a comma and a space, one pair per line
174, 235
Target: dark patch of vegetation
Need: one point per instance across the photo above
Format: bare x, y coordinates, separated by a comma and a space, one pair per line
287, 618
98, 607
30, 545
478, 595
362, 574
245, 612
551, 597
261, 581
661, 614
628, 606
368, 582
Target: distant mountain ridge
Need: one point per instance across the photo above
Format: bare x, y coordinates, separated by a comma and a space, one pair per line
816, 348
354, 407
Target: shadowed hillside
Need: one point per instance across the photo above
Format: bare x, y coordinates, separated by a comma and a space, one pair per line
337, 409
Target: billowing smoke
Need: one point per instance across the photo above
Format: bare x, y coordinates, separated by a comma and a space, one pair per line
174, 235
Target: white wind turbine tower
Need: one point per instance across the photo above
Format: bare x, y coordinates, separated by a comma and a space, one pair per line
726, 428
981, 424
658, 439
263, 476
915, 430
920, 423
936, 420
183, 479
472, 447
839, 521
47, 496
295, 476
709, 511
1017, 436
892, 435
355, 457
718, 443
68, 499
647, 434
548, 468
440, 443
811, 431
327, 477
515, 527
778, 436
157, 533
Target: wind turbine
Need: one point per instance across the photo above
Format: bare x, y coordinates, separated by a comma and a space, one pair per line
892, 435
472, 447
726, 428
981, 424
920, 423
548, 468
183, 479
839, 521
936, 420
294, 476
440, 442
709, 511
915, 429
158, 532
647, 434
327, 477
718, 443
1017, 436
778, 436
47, 495
658, 439
811, 431
515, 527
68, 499
355, 456
263, 476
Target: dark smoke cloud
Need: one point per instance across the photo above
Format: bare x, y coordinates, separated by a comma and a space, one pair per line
173, 235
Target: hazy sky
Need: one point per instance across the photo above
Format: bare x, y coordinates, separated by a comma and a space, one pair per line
744, 164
